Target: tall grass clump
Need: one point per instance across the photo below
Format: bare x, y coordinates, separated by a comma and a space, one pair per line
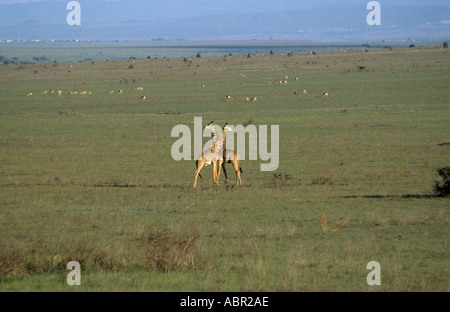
168, 251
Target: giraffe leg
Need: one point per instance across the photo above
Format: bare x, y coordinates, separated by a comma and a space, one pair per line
218, 170
215, 177
197, 172
225, 172
238, 174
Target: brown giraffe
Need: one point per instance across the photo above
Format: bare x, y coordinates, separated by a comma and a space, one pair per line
229, 156
209, 156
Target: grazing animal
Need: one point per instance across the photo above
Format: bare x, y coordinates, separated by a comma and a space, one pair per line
44, 92
143, 97
59, 92
83, 92
325, 94
29, 93
303, 91
253, 99
139, 88
111, 92
230, 98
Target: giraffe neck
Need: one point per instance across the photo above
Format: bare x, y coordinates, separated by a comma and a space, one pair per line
224, 136
218, 145
214, 138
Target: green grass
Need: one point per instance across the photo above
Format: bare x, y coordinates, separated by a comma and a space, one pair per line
91, 183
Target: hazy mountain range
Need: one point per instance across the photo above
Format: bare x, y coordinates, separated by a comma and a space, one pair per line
325, 20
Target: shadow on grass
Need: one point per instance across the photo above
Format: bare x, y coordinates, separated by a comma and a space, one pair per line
426, 196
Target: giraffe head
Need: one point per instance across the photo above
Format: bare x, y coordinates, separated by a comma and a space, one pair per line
226, 128
210, 126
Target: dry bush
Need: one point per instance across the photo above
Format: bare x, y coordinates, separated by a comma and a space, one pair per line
278, 179
14, 264
325, 178
167, 251
443, 188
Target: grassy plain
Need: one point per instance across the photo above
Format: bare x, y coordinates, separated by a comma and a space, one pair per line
91, 178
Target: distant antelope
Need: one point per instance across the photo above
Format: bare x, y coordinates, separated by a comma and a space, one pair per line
295, 92
139, 88
253, 99
304, 91
111, 92
83, 92
59, 92
120, 91
143, 97
29, 93
44, 92
230, 98
325, 94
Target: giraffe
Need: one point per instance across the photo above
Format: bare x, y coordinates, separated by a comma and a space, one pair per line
209, 156
229, 156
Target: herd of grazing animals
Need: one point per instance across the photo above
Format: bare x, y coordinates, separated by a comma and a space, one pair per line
217, 154
276, 82
59, 92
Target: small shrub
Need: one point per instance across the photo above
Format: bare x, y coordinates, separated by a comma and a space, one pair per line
325, 178
278, 179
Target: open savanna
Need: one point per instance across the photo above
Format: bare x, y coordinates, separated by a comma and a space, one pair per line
91, 178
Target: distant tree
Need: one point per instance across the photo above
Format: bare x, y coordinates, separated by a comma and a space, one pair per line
271, 52
198, 55
445, 45
412, 45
